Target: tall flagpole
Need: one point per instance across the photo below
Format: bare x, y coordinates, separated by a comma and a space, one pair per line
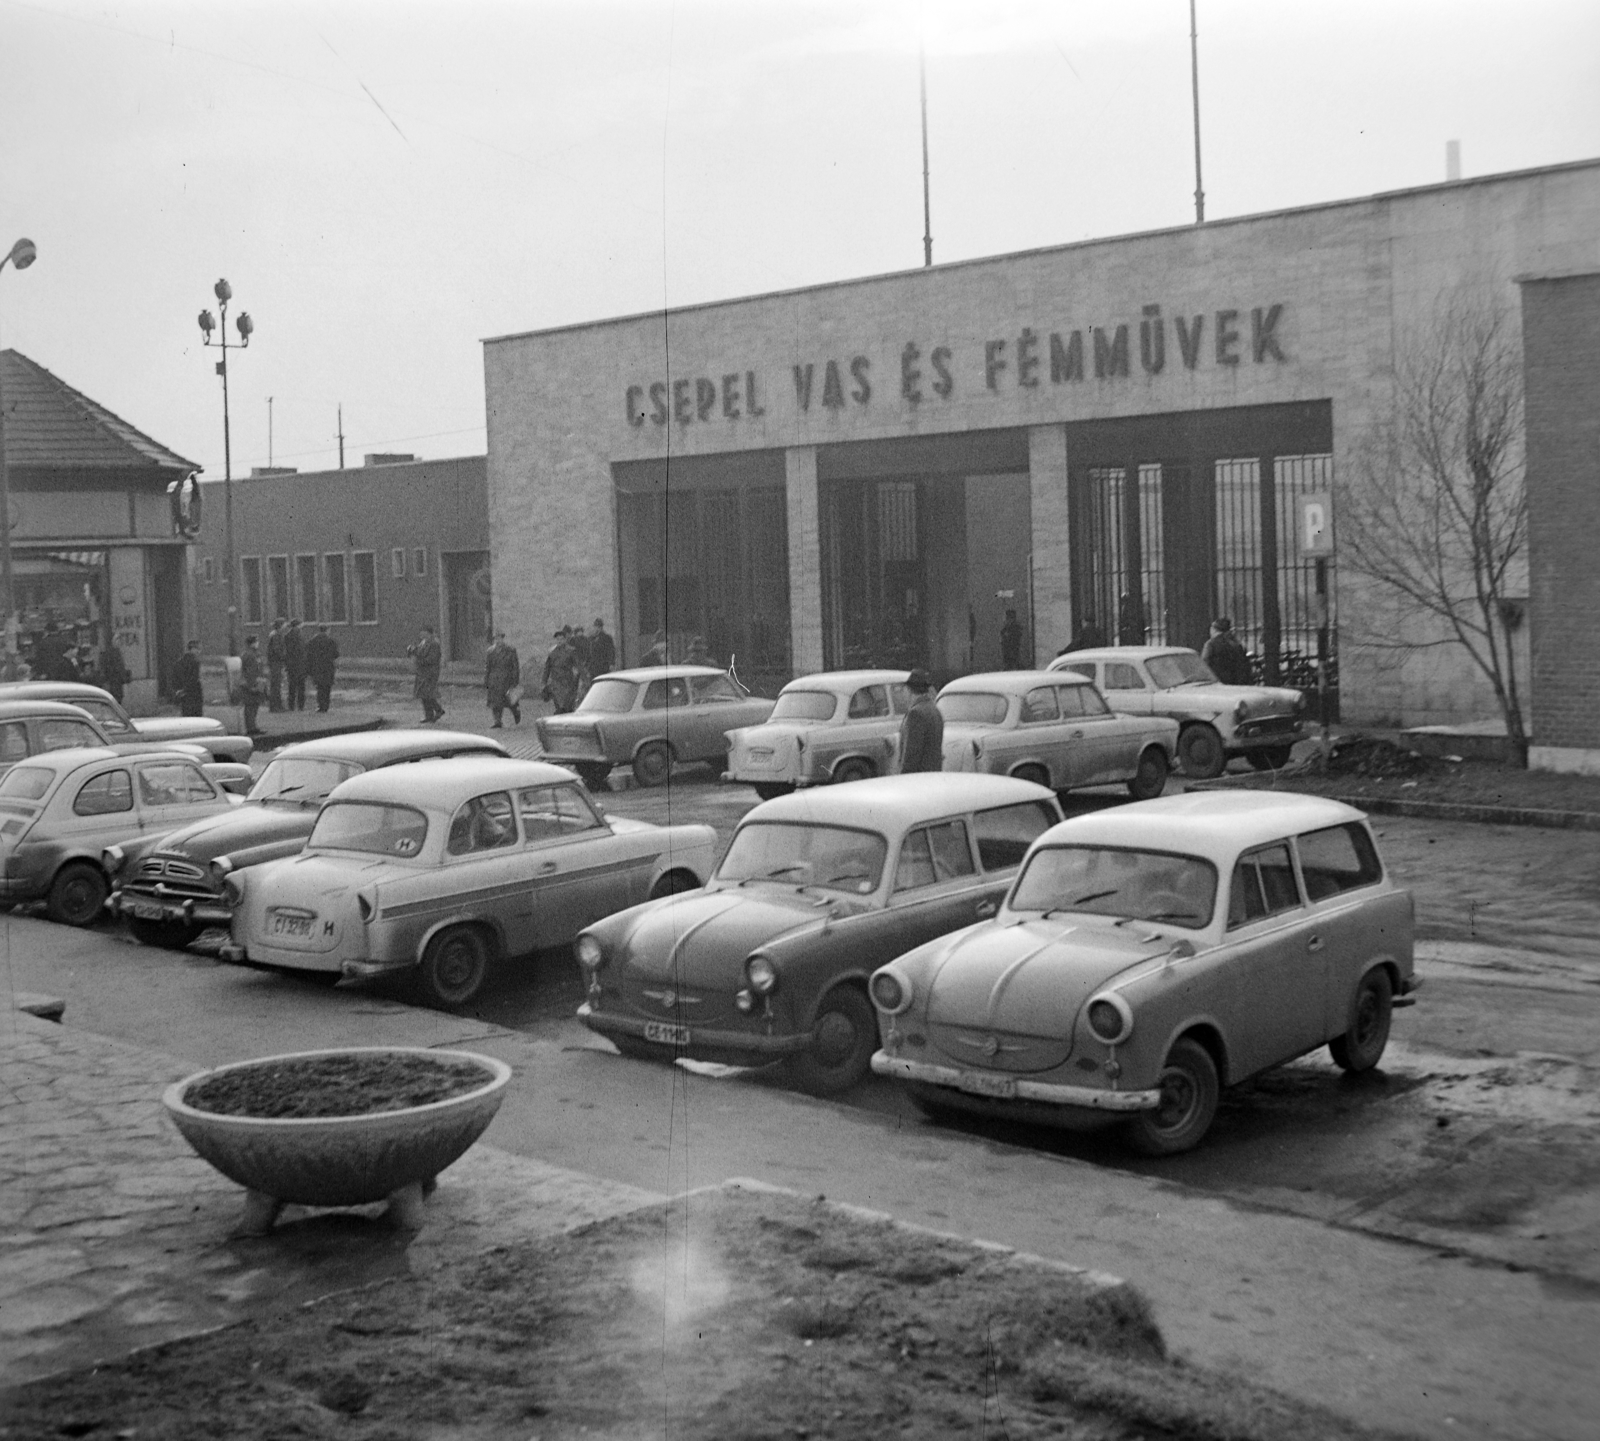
1194, 74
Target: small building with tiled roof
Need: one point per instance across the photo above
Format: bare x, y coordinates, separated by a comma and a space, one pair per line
97, 539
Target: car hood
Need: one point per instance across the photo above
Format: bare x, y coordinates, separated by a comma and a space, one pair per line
176, 727
233, 831
703, 937
1030, 977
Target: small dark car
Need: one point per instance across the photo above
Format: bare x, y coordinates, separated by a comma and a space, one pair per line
173, 891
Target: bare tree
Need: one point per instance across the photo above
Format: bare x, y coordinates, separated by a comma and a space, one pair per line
1434, 510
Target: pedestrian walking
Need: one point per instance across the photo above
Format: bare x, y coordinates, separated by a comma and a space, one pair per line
1225, 655
502, 680
602, 649
294, 664
922, 730
1011, 642
560, 680
426, 656
322, 655
275, 664
186, 681
578, 639
113, 670
252, 683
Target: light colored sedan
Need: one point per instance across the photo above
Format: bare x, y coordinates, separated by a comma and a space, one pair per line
442, 867
650, 718
120, 726
1150, 955
1261, 722
838, 726
1055, 729
63, 808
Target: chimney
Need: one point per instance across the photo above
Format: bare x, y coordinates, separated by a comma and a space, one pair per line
1452, 160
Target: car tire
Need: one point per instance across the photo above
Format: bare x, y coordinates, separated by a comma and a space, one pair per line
1037, 774
652, 766
77, 895
854, 769
595, 777
454, 967
844, 1035
674, 883
1189, 1093
165, 935
771, 790
1150, 779
1361, 1047
1201, 753
1270, 758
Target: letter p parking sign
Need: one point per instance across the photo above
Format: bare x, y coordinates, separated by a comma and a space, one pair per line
1316, 524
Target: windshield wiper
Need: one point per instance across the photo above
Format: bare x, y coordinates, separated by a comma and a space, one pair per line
775, 872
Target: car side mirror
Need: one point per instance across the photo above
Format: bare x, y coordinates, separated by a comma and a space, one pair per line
1181, 951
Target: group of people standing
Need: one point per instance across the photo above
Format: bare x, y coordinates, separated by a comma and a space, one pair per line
290, 658
576, 658
573, 661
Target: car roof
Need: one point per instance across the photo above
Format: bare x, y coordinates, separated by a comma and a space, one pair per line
1121, 652
71, 758
892, 803
661, 672
445, 784
385, 747
1010, 682
51, 689
842, 680
1214, 824
22, 709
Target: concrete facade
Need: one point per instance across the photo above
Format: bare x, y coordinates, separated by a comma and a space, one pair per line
1301, 308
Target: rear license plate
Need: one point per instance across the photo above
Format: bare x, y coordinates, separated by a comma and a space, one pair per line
981, 1083
148, 911
667, 1035
288, 924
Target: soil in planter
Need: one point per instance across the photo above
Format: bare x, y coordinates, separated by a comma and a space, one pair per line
351, 1084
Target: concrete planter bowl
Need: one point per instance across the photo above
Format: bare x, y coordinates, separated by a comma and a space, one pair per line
348, 1160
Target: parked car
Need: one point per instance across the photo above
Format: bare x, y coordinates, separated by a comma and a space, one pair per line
120, 726
61, 809
842, 725
1150, 955
817, 889
1053, 728
1217, 721
445, 866
170, 888
650, 718
28, 728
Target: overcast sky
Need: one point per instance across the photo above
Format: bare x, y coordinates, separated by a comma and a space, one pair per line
386, 184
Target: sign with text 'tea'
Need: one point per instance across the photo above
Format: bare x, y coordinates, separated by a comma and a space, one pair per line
1316, 524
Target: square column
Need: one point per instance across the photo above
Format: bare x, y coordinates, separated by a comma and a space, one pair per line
805, 559
1051, 577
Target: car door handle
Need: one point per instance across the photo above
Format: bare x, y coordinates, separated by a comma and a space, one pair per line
987, 908
547, 869
1314, 944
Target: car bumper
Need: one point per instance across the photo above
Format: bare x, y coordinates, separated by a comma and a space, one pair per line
752, 1049
997, 1086
1268, 732
17, 889
189, 910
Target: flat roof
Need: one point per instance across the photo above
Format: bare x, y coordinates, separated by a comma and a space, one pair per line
1064, 247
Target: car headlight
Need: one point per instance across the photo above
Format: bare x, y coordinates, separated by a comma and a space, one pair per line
761, 974
112, 858
1110, 1018
591, 954
1240, 711
233, 889
890, 993
220, 868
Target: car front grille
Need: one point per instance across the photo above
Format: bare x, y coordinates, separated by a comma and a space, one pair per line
1270, 725
158, 868
998, 1050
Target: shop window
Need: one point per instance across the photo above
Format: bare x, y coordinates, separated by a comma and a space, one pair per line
250, 589
305, 567
419, 560
364, 591
397, 562
337, 592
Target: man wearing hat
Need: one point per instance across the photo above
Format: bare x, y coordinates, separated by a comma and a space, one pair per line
922, 730
1225, 655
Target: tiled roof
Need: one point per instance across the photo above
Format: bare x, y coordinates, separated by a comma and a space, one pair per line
49, 424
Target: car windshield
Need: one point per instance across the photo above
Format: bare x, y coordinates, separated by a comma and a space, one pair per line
973, 707
1117, 881
810, 705
834, 857
369, 826
608, 696
1183, 667
26, 783
294, 781
110, 718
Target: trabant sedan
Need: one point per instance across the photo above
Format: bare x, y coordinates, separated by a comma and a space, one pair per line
1149, 956
1261, 722
443, 867
650, 718
60, 810
1055, 729
817, 889
825, 729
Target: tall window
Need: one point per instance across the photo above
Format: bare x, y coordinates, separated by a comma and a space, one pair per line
419, 560
250, 588
305, 567
281, 602
208, 569
364, 596
338, 594
397, 562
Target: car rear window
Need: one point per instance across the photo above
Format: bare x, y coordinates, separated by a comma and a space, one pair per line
973, 707
368, 826
809, 705
1338, 859
1005, 833
609, 696
26, 783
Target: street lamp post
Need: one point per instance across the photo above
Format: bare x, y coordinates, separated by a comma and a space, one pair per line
224, 293
21, 255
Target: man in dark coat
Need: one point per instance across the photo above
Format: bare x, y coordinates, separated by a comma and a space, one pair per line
602, 649
1011, 642
252, 686
502, 676
113, 669
275, 665
1089, 637
560, 679
426, 656
294, 664
322, 654
186, 680
922, 730
1225, 655
578, 639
